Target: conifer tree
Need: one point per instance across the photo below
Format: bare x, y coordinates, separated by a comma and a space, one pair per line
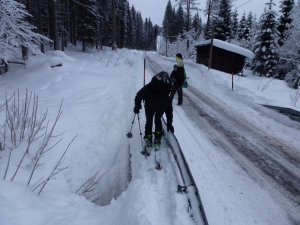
211, 11
146, 34
223, 21
234, 24
150, 34
139, 30
248, 27
266, 44
242, 26
180, 21
15, 31
290, 51
190, 5
121, 23
134, 27
167, 22
87, 25
197, 26
129, 27
285, 19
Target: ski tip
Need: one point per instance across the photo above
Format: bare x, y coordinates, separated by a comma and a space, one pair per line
158, 167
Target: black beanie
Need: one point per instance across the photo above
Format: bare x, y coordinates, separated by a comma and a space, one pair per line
179, 55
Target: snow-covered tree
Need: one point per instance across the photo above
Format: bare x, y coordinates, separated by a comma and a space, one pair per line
234, 24
248, 27
180, 21
242, 26
211, 11
197, 26
121, 23
223, 21
87, 25
15, 31
285, 19
246, 37
290, 51
168, 22
190, 5
266, 44
129, 27
139, 30
146, 34
134, 27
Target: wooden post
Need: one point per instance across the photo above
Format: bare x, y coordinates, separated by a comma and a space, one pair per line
144, 70
232, 82
211, 47
166, 46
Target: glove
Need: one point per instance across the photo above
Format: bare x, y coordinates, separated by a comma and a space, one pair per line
136, 110
170, 128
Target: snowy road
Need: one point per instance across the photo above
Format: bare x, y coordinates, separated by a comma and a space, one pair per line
273, 164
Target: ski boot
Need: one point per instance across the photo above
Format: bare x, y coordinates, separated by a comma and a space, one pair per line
148, 145
157, 140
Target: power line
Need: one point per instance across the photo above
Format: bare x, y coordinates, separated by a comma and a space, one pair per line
244, 4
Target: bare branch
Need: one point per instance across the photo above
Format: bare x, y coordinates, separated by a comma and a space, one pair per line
54, 172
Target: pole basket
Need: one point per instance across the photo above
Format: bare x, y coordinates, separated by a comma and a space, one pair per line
129, 135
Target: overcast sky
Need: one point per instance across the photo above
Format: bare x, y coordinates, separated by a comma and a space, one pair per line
155, 9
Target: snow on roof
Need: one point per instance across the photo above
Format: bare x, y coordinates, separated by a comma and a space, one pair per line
227, 46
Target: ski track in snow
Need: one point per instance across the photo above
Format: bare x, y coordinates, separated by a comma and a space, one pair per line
213, 152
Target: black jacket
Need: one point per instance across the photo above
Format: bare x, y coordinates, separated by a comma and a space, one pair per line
178, 76
149, 91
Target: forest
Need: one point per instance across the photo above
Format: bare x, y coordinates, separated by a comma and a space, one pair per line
28, 25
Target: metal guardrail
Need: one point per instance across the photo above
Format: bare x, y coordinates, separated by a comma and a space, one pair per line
291, 113
189, 186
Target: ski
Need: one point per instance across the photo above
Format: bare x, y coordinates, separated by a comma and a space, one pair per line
146, 152
158, 164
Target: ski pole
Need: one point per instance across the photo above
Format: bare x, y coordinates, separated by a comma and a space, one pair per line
129, 135
140, 131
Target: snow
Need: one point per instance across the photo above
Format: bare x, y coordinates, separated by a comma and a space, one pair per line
228, 47
98, 89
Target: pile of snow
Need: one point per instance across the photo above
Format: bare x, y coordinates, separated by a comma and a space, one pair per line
55, 61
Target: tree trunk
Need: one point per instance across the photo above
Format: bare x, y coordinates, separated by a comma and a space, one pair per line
208, 20
40, 25
113, 12
54, 23
73, 16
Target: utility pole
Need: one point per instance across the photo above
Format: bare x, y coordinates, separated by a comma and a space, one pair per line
208, 18
166, 46
113, 35
211, 46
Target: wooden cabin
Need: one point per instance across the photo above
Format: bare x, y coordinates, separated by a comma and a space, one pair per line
226, 57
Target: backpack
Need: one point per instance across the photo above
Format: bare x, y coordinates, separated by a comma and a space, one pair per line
185, 84
161, 83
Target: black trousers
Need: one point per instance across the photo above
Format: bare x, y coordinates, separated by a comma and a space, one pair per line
154, 107
177, 88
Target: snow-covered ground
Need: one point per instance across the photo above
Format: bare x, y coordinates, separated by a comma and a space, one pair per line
98, 89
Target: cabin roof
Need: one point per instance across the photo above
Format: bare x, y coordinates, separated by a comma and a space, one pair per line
227, 46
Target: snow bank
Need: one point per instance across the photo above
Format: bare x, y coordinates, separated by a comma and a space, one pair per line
54, 61
61, 55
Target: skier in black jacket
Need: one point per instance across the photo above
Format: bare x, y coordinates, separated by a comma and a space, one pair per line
178, 77
157, 102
